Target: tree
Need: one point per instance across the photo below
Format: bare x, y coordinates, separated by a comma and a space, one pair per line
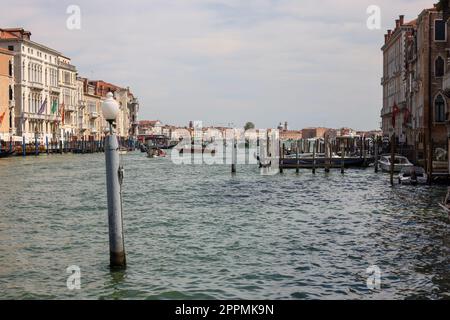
249, 125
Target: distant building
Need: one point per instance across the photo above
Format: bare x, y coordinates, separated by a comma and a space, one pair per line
291, 134
150, 127
311, 133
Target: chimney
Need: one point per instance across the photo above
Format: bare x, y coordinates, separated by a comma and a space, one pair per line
397, 23
402, 20
385, 38
389, 34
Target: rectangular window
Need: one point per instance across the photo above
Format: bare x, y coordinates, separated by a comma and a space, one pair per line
11, 48
439, 30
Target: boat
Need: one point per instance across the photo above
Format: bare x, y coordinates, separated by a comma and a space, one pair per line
445, 205
308, 160
412, 175
155, 153
143, 147
5, 153
400, 162
160, 141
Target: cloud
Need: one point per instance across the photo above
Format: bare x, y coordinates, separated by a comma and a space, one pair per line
224, 61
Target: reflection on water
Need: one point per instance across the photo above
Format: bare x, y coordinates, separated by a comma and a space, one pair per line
197, 232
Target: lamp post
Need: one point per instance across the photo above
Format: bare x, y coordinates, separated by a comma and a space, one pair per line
114, 175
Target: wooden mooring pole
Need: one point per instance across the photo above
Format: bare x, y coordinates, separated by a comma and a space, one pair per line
342, 158
281, 151
297, 157
376, 154
327, 155
392, 158
314, 158
234, 156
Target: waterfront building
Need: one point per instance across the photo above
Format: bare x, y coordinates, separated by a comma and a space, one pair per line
150, 127
133, 107
290, 134
36, 91
68, 98
394, 75
125, 99
6, 95
93, 125
311, 133
416, 59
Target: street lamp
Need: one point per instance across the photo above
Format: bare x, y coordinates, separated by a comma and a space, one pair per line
114, 176
110, 109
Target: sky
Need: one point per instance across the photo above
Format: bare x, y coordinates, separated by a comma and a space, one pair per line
226, 62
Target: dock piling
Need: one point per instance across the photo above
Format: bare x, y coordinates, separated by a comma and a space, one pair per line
376, 154
314, 158
233, 156
392, 158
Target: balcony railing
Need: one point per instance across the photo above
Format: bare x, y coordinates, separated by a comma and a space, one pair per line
36, 85
67, 66
93, 114
83, 127
82, 103
69, 108
55, 89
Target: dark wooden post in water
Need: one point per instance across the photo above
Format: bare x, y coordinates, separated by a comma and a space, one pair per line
375, 143
364, 149
296, 157
281, 152
233, 156
36, 149
327, 155
314, 158
392, 158
342, 157
46, 144
24, 147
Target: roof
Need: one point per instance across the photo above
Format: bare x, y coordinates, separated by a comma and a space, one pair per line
4, 51
148, 122
14, 33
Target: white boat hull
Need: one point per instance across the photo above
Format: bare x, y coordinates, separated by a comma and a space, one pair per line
397, 167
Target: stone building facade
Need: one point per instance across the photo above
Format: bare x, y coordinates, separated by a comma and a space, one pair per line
7, 102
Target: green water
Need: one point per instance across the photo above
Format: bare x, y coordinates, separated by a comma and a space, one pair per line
197, 232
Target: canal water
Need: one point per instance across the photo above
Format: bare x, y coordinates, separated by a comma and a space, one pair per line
196, 232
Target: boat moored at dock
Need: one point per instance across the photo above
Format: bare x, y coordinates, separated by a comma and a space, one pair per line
400, 162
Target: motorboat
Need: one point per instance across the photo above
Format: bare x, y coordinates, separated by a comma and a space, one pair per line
412, 175
400, 162
155, 153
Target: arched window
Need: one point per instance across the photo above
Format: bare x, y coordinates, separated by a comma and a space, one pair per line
439, 109
439, 67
